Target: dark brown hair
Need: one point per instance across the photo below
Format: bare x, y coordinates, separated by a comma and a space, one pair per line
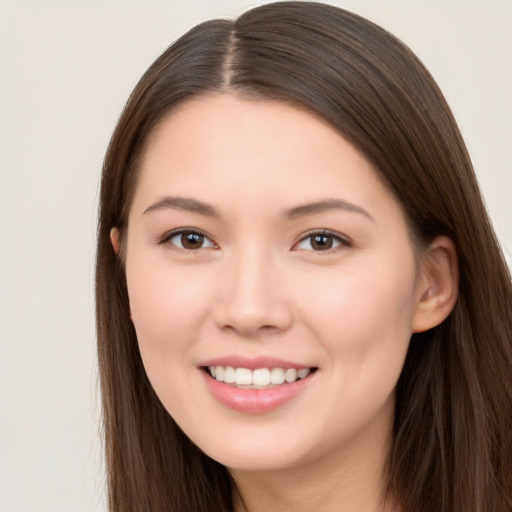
452, 443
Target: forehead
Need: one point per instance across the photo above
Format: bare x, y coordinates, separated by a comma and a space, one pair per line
267, 145
221, 125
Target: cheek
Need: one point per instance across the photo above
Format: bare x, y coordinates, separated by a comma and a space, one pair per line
363, 314
363, 326
167, 308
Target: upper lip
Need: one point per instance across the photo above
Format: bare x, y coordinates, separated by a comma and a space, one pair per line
253, 363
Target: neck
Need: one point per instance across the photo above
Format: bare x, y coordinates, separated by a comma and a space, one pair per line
349, 478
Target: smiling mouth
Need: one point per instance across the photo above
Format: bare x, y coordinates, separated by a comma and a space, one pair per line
261, 378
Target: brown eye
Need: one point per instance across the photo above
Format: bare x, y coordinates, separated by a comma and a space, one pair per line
321, 242
189, 240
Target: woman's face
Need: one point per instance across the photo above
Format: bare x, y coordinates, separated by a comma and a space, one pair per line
262, 247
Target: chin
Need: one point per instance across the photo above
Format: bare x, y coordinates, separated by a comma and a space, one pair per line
253, 449
257, 462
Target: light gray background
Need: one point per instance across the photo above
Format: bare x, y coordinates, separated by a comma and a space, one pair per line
66, 69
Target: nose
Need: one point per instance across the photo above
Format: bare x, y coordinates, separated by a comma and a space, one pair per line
253, 296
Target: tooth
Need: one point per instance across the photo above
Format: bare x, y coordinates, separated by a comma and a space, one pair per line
290, 375
219, 373
277, 376
243, 377
229, 375
303, 372
261, 377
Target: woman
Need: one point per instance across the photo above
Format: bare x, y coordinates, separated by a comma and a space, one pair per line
301, 303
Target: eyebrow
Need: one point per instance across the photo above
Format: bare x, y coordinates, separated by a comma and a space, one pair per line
194, 206
185, 204
325, 206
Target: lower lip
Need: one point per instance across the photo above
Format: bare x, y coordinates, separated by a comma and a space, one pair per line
255, 401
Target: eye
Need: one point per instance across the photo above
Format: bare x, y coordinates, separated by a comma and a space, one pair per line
321, 241
189, 240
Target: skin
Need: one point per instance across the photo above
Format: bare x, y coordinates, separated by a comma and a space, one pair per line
257, 286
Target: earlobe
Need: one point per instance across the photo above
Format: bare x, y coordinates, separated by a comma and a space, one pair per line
439, 285
114, 239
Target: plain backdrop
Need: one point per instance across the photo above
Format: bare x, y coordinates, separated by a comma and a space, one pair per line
66, 69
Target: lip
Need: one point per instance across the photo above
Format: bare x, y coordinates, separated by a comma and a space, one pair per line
253, 363
255, 401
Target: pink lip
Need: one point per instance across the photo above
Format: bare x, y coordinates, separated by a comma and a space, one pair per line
255, 401
253, 363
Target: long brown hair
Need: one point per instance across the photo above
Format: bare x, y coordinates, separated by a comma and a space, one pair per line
452, 443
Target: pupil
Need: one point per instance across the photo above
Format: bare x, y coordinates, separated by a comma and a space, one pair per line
321, 242
192, 240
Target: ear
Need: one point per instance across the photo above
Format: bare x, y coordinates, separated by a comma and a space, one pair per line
114, 239
438, 284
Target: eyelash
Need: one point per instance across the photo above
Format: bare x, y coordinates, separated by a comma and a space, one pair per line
186, 231
341, 242
334, 238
